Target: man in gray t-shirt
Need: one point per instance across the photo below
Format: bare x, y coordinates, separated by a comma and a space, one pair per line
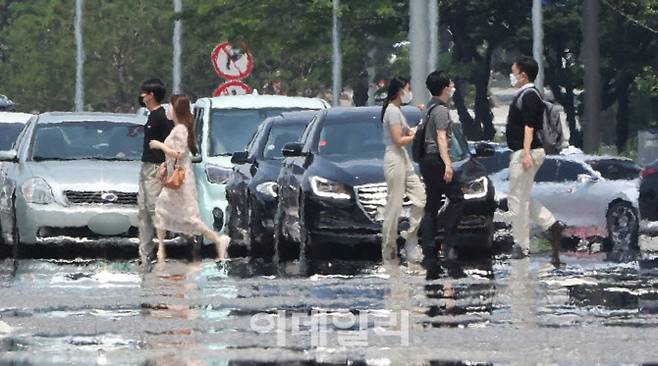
439, 119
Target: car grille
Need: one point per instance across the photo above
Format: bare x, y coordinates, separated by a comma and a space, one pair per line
372, 197
114, 198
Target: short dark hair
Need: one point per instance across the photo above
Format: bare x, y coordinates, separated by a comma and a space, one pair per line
436, 82
528, 65
155, 86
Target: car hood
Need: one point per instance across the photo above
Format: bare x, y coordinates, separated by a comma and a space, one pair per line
349, 169
88, 175
368, 169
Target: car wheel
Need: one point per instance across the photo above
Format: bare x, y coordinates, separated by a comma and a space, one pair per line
306, 245
259, 247
14, 233
284, 249
623, 227
231, 227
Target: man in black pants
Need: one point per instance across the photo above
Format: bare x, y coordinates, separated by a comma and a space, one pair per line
158, 128
437, 171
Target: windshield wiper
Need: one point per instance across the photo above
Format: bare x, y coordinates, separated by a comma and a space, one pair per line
40, 158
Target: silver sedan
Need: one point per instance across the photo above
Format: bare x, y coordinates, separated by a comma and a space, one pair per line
72, 177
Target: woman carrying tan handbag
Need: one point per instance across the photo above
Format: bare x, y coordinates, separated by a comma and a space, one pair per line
176, 208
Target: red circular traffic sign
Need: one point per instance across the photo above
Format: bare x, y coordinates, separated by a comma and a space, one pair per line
234, 87
232, 63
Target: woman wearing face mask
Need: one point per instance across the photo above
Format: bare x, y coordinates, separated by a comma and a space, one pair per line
437, 171
176, 210
401, 179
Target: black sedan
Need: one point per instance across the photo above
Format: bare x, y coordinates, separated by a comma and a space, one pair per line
332, 188
649, 192
251, 189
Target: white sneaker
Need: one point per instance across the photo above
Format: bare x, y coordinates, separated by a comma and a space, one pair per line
412, 251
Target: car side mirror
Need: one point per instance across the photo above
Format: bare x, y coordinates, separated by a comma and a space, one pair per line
9, 156
240, 157
484, 150
292, 149
586, 178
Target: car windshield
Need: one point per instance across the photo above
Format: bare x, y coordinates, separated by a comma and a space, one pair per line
346, 136
616, 169
8, 134
278, 137
101, 140
231, 129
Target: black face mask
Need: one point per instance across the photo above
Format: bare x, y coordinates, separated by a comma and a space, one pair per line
140, 101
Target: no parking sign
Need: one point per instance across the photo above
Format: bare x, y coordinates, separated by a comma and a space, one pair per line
232, 63
234, 87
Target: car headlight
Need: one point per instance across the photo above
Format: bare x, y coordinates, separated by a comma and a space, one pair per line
268, 189
323, 187
217, 174
36, 190
476, 189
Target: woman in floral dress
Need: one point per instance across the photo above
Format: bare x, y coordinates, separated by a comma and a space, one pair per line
177, 210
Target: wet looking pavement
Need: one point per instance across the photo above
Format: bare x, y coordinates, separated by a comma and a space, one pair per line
502, 312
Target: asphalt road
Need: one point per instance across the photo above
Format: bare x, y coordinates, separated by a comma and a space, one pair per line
499, 312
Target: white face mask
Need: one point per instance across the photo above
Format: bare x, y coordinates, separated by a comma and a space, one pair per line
513, 80
406, 97
168, 113
452, 92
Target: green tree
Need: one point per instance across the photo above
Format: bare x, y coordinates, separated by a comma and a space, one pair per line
478, 28
35, 69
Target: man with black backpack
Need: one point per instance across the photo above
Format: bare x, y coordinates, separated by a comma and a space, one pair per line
525, 125
433, 156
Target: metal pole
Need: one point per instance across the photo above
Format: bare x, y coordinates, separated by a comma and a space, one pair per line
538, 41
592, 79
178, 31
433, 18
418, 49
80, 58
336, 55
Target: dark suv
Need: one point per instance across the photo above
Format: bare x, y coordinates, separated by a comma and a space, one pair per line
251, 189
332, 188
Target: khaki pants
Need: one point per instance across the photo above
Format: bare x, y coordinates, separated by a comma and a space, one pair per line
521, 205
149, 190
401, 179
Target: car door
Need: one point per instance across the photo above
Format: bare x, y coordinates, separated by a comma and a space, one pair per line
299, 166
237, 186
593, 196
292, 173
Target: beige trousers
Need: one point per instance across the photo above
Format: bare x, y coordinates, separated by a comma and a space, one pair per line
401, 179
150, 187
521, 205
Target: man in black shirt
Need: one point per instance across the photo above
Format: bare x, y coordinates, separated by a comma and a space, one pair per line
524, 121
158, 128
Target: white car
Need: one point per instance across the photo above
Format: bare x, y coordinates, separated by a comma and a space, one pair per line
595, 196
72, 177
225, 125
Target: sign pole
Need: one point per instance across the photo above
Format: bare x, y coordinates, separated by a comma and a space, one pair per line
80, 59
337, 58
178, 31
